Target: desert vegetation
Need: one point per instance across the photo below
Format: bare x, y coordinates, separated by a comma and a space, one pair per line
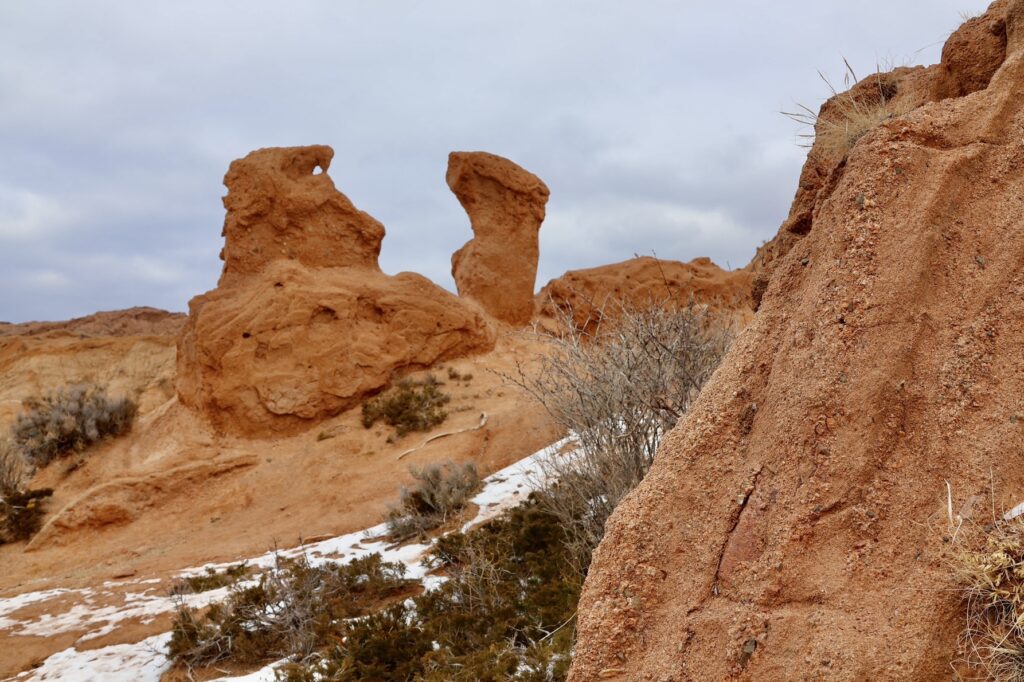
55, 425
990, 572
210, 579
619, 385
69, 420
408, 406
438, 492
849, 115
292, 610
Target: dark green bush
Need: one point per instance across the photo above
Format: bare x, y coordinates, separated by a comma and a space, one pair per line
409, 406
505, 614
211, 579
69, 420
291, 611
21, 514
439, 491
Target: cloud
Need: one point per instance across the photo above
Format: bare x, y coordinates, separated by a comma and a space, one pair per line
655, 125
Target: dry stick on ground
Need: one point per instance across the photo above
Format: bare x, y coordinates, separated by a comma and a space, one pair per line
482, 424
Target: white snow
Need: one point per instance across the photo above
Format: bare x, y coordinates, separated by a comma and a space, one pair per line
146, 660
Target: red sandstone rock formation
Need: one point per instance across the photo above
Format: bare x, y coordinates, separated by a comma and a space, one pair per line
793, 525
505, 203
588, 294
303, 323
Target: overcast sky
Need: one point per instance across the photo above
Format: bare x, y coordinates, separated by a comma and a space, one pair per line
655, 124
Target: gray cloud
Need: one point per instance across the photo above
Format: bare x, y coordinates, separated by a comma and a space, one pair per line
655, 124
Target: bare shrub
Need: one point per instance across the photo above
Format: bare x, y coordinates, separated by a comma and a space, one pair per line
619, 387
409, 406
438, 492
69, 420
850, 115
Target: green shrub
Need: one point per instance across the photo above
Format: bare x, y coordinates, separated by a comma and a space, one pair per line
70, 420
505, 613
21, 510
409, 406
211, 579
21, 514
290, 611
439, 491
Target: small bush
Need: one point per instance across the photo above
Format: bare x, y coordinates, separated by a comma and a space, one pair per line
409, 406
212, 579
70, 420
439, 491
291, 611
21, 510
992, 577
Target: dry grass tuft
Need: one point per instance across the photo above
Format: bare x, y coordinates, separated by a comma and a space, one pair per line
847, 117
992, 577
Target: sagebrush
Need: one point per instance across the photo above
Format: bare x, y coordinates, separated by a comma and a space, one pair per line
619, 386
69, 420
438, 492
290, 611
408, 406
21, 510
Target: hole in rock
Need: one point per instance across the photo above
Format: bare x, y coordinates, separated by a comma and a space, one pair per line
317, 170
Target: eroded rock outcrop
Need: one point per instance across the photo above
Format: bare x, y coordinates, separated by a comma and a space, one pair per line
587, 295
303, 323
794, 525
505, 203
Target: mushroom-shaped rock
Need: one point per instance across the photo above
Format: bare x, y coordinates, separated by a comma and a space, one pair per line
303, 324
505, 203
279, 207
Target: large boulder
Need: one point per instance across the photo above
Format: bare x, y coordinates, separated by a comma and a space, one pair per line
505, 203
303, 323
795, 525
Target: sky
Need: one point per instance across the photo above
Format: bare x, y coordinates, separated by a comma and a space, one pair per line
656, 124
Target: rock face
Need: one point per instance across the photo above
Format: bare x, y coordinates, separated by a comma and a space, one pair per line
594, 292
505, 203
280, 208
793, 525
303, 323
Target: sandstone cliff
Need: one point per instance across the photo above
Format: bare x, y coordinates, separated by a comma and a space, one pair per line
793, 525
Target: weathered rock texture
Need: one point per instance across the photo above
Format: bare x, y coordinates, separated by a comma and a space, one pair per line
589, 295
303, 323
793, 525
280, 208
505, 203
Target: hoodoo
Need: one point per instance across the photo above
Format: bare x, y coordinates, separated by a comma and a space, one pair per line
303, 323
505, 203
795, 523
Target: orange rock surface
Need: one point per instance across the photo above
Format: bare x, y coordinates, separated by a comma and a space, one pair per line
795, 524
303, 324
590, 294
505, 203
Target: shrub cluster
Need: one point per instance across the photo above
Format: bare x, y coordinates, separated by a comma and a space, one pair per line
408, 406
211, 579
69, 420
505, 613
438, 492
290, 611
21, 510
